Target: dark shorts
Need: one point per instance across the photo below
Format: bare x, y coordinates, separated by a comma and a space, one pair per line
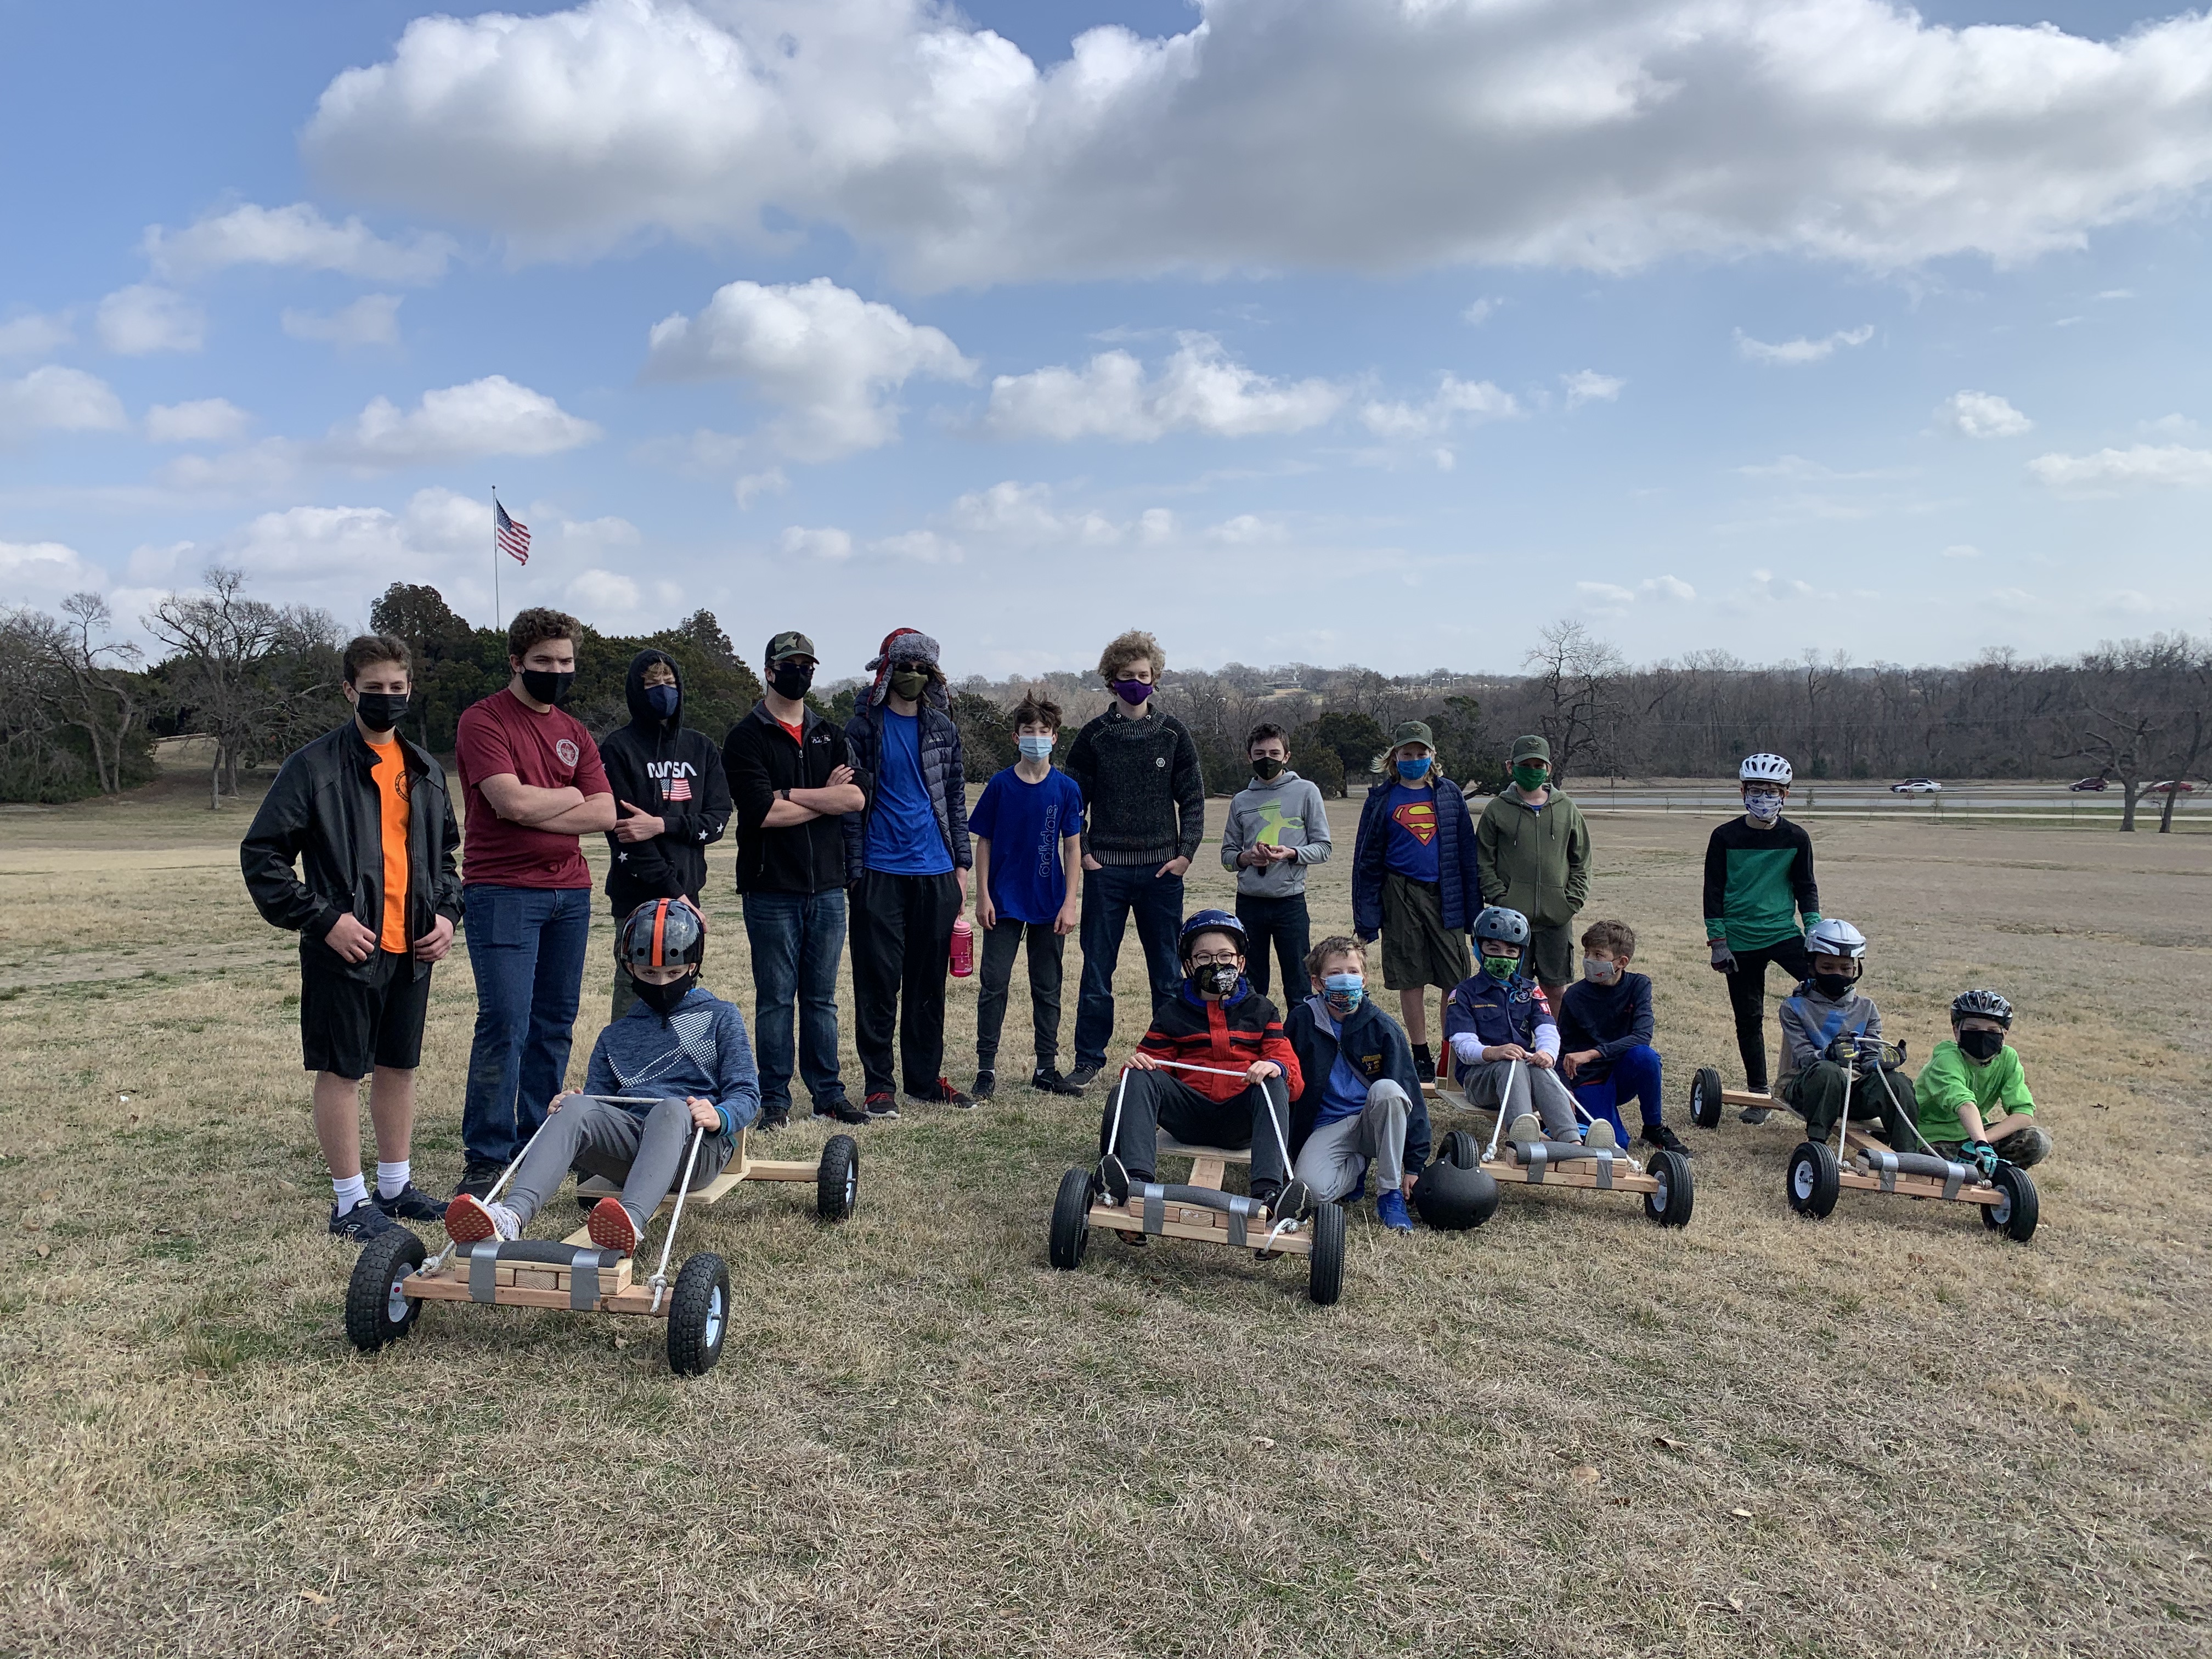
1551, 953
348, 1026
1418, 949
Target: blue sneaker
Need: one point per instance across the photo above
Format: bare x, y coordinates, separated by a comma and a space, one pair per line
1390, 1210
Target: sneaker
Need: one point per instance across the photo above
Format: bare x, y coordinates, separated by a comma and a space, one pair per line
1048, 1081
1295, 1202
1754, 1113
985, 1083
1599, 1136
410, 1203
470, 1220
1083, 1076
1390, 1210
1112, 1181
1425, 1065
360, 1223
879, 1108
1659, 1135
611, 1228
479, 1178
776, 1117
845, 1112
939, 1093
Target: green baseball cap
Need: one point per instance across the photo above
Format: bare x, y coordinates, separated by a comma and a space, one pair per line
1532, 747
792, 643
1412, 732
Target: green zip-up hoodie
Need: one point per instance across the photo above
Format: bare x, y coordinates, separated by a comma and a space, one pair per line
1535, 860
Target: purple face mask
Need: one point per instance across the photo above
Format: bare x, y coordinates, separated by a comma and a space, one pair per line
1132, 692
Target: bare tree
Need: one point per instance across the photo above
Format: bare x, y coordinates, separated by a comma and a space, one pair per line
91, 683
1577, 679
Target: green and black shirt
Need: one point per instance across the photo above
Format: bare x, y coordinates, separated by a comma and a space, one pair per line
1758, 883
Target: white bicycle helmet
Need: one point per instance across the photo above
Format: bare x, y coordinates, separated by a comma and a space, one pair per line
1764, 768
1831, 936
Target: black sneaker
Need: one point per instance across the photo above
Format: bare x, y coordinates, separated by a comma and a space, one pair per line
410, 1203
1659, 1135
1048, 1081
1425, 1065
479, 1178
360, 1223
776, 1117
881, 1108
1112, 1181
844, 1111
1083, 1076
985, 1083
939, 1093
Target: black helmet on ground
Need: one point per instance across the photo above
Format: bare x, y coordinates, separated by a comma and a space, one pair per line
1453, 1199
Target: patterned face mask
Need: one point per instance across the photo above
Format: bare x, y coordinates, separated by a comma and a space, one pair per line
1342, 993
1762, 805
1500, 967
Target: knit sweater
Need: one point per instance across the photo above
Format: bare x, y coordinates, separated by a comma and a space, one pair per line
1143, 789
1286, 813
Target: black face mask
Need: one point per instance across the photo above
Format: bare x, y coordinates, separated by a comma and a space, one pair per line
663, 998
1216, 978
1835, 986
792, 680
546, 686
1267, 770
1981, 1045
380, 711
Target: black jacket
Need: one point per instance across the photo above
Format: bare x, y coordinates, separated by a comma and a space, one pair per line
323, 812
1379, 1049
944, 774
659, 768
760, 758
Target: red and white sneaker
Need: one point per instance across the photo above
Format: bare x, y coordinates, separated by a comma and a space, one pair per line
470, 1220
610, 1227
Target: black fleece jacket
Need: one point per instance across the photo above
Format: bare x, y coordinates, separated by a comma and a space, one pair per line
671, 773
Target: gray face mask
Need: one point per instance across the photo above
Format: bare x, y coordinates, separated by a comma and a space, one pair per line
1600, 971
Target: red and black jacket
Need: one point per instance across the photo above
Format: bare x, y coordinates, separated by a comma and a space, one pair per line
1229, 1034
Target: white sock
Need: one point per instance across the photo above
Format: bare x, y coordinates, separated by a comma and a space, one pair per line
505, 1224
349, 1191
390, 1178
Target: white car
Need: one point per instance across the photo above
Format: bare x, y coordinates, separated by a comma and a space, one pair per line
1917, 787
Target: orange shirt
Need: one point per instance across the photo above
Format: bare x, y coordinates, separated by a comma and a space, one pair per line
390, 772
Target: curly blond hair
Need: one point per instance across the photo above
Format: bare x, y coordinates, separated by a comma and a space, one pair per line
1133, 647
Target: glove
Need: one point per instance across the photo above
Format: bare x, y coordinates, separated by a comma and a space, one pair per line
1723, 959
1842, 1052
1981, 1155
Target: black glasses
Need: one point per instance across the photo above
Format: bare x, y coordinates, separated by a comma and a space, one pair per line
1228, 961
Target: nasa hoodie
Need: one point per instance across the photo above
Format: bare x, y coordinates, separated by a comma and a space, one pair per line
668, 773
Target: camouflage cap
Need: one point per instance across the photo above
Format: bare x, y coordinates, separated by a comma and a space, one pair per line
791, 643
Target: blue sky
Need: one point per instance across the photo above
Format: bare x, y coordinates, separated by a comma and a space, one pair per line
1321, 330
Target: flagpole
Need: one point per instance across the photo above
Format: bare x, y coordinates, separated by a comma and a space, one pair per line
498, 621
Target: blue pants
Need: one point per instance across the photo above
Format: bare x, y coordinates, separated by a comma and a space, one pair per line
1635, 1076
526, 947
1109, 896
796, 939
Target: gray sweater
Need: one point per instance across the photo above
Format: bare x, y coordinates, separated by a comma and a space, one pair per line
1287, 813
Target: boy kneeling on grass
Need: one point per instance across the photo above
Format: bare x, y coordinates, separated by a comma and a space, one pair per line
1605, 1037
682, 1050
1216, 1020
1498, 1024
1823, 1021
1362, 1101
1965, 1077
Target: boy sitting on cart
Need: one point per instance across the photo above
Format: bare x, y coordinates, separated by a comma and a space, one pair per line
1215, 1069
1966, 1077
680, 1062
1498, 1027
1362, 1103
1832, 1043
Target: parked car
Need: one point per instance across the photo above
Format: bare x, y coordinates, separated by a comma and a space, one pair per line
1917, 787
2081, 784
2170, 785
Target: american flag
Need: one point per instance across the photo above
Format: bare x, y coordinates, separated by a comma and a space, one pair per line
676, 789
513, 538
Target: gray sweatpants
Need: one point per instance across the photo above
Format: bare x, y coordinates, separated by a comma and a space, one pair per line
1336, 1155
641, 1146
1537, 1090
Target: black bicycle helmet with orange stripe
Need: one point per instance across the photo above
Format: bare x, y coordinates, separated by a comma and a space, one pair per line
662, 933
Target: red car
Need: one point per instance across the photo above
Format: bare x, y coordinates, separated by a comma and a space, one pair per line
2170, 785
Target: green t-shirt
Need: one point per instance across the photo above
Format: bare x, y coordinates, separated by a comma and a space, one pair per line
1949, 1079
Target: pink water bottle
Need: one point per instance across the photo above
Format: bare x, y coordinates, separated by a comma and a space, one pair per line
963, 948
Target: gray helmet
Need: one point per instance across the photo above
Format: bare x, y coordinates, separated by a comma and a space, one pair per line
1831, 936
1452, 1199
1507, 926
1981, 1005
662, 933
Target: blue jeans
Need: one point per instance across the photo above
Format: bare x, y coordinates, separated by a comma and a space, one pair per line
1109, 894
1635, 1076
796, 939
526, 947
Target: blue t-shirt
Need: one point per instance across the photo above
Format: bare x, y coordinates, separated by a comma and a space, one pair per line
1026, 824
903, 839
1412, 850
1345, 1093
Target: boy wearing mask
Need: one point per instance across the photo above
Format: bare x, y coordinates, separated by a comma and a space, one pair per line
1971, 1076
1362, 1104
1820, 1057
1499, 1021
1534, 850
1028, 835
907, 858
1415, 881
672, 795
1604, 1037
1277, 827
1759, 884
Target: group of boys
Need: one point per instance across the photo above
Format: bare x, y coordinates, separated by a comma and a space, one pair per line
866, 828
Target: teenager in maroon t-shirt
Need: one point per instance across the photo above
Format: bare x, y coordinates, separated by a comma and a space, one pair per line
533, 785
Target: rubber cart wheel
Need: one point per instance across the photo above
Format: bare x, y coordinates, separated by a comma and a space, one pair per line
376, 1311
1705, 1098
2016, 1214
1071, 1221
1460, 1149
1670, 1203
1325, 1281
837, 1185
1811, 1183
698, 1315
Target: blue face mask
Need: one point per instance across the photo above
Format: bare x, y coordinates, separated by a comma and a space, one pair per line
1343, 992
1412, 771
1035, 746
662, 699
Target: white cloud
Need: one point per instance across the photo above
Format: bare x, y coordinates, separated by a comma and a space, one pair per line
33, 335
826, 357
1793, 354
754, 485
919, 547
297, 236
343, 557
597, 592
373, 319
205, 421
831, 544
1245, 530
2110, 470
254, 470
39, 573
1982, 415
1453, 397
1480, 311
1587, 386
58, 399
490, 416
1962, 551
1198, 389
1599, 136
1026, 513
142, 318
1611, 599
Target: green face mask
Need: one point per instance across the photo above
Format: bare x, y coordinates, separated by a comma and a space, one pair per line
909, 684
1500, 967
1531, 778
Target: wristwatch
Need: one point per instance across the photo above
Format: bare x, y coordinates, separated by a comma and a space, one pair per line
783, 794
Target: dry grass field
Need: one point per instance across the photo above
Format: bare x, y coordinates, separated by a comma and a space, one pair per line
1570, 1433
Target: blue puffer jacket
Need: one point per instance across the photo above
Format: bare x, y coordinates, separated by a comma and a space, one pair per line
944, 773
1456, 875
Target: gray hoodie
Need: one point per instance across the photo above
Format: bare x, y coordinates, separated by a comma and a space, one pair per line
1287, 813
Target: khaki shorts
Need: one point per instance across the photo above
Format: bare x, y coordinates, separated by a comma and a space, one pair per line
1418, 949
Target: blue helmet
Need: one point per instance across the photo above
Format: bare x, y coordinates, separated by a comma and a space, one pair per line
1209, 921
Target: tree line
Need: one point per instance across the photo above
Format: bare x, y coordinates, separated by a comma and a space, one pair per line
81, 706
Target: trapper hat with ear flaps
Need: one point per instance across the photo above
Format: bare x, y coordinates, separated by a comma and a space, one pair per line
906, 645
